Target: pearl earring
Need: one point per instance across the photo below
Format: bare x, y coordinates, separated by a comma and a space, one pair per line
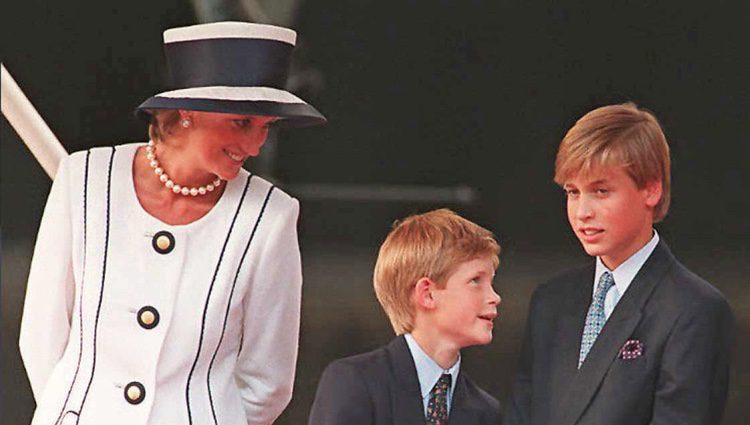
185, 123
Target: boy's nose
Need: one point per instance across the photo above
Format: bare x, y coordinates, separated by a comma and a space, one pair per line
584, 209
494, 297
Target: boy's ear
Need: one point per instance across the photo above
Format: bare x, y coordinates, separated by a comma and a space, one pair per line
653, 193
423, 293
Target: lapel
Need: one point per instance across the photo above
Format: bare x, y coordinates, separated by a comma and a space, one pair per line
616, 331
407, 399
464, 409
567, 337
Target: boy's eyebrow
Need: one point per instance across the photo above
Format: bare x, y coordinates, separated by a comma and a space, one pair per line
593, 183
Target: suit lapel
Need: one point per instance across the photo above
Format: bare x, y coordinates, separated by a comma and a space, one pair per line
616, 331
407, 398
464, 410
567, 337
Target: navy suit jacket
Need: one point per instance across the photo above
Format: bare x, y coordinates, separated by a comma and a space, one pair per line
381, 388
684, 324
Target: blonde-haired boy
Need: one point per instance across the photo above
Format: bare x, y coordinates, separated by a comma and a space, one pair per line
635, 337
433, 278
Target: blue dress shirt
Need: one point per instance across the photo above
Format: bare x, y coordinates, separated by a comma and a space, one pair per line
623, 274
428, 372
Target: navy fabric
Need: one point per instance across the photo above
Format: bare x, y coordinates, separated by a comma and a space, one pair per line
229, 62
294, 114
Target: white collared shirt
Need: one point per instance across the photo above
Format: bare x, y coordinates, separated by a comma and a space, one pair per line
623, 274
428, 372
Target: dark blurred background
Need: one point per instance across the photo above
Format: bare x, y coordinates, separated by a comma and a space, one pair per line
431, 103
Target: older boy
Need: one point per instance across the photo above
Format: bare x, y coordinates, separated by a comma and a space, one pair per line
634, 338
433, 277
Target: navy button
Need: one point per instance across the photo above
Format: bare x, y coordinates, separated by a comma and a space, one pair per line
134, 392
163, 242
148, 317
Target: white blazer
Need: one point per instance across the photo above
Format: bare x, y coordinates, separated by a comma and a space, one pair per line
129, 320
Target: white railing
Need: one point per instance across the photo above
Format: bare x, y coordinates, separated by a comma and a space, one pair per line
29, 125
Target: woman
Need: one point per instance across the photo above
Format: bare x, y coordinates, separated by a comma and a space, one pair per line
165, 284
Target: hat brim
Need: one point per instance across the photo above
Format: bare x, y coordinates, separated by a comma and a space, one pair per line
244, 101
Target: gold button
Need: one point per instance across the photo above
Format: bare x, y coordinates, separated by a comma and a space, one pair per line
163, 242
147, 317
134, 393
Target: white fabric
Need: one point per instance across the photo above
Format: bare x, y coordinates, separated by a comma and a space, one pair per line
269, 94
252, 374
623, 274
428, 372
230, 30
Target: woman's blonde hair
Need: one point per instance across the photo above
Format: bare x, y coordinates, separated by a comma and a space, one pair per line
429, 245
621, 136
162, 123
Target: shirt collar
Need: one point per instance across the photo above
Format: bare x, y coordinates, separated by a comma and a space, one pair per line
428, 372
626, 271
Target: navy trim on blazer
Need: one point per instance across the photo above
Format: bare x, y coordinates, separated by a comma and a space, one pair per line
104, 275
231, 293
80, 296
205, 308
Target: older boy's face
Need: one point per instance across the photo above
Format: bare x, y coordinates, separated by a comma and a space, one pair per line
609, 214
467, 306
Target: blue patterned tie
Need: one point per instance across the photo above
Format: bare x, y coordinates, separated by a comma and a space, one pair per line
595, 318
437, 408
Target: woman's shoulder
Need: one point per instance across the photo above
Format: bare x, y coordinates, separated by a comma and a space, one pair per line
272, 200
94, 162
275, 194
83, 155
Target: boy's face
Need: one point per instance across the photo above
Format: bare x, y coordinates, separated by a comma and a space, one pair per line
467, 306
609, 214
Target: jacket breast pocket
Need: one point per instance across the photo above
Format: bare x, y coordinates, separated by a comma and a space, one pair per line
630, 370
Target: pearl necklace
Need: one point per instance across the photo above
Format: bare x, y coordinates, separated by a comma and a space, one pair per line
176, 188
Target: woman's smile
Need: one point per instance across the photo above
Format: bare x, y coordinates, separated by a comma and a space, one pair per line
235, 157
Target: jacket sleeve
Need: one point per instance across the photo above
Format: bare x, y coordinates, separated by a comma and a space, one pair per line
519, 405
694, 373
268, 354
50, 289
342, 397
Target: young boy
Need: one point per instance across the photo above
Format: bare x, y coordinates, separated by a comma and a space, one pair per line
635, 337
433, 278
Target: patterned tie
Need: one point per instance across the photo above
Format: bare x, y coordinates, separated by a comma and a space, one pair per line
595, 318
437, 408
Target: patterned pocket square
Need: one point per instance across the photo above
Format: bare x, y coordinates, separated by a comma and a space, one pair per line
632, 349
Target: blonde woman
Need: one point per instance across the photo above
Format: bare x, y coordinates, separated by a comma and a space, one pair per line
166, 280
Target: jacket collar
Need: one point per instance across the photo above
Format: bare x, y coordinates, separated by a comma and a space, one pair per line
465, 409
407, 401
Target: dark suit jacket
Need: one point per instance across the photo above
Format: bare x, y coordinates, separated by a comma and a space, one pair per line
381, 388
684, 323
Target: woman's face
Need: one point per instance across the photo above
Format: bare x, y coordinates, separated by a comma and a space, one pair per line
221, 143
